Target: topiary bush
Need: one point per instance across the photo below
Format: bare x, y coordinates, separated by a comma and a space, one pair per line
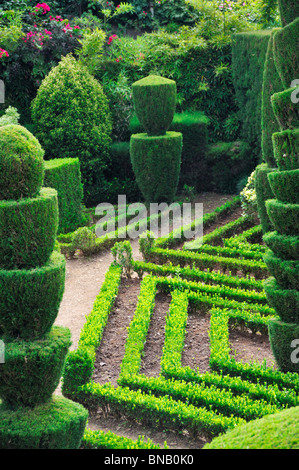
263, 192
156, 155
35, 350
72, 120
21, 163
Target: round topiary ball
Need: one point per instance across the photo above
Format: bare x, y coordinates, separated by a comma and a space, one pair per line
72, 120
21, 163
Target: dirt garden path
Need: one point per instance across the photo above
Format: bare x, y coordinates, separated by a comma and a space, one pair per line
84, 278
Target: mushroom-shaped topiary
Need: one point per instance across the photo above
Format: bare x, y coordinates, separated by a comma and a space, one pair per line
21, 163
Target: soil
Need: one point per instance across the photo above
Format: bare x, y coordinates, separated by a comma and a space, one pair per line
84, 277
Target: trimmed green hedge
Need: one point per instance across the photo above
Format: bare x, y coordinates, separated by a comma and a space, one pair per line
285, 185
156, 163
281, 337
285, 272
277, 431
285, 46
285, 109
32, 369
109, 440
271, 84
286, 149
28, 229
248, 58
155, 103
21, 163
64, 175
284, 301
263, 193
283, 246
284, 217
289, 11
30, 299
57, 424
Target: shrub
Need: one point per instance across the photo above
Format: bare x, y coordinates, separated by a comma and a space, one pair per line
285, 185
156, 162
286, 149
263, 193
289, 11
21, 163
64, 175
29, 376
11, 116
72, 119
282, 335
275, 431
284, 301
155, 102
28, 229
285, 45
285, 109
284, 217
286, 272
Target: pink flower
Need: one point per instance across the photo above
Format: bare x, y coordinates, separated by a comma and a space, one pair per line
3, 52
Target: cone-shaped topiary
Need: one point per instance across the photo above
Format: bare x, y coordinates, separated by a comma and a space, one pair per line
35, 350
21, 163
72, 119
282, 290
156, 155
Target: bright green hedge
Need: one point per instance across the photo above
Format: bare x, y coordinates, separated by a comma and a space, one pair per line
64, 175
285, 185
281, 336
276, 431
271, 84
56, 424
32, 369
155, 103
156, 162
28, 229
21, 163
284, 217
286, 149
30, 299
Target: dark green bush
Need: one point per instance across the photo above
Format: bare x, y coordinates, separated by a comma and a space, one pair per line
281, 335
289, 11
57, 424
284, 301
285, 46
286, 149
30, 299
28, 230
72, 119
285, 110
248, 58
285, 272
64, 175
283, 246
228, 162
21, 163
155, 103
32, 369
271, 84
263, 192
284, 217
285, 185
156, 163
194, 128
275, 431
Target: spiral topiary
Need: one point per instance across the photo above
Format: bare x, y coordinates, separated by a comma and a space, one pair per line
282, 289
31, 292
156, 154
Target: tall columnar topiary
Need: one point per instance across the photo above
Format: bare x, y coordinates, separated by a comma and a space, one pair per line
156, 154
32, 276
72, 119
282, 258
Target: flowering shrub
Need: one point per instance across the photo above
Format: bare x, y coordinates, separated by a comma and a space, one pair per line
3, 52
